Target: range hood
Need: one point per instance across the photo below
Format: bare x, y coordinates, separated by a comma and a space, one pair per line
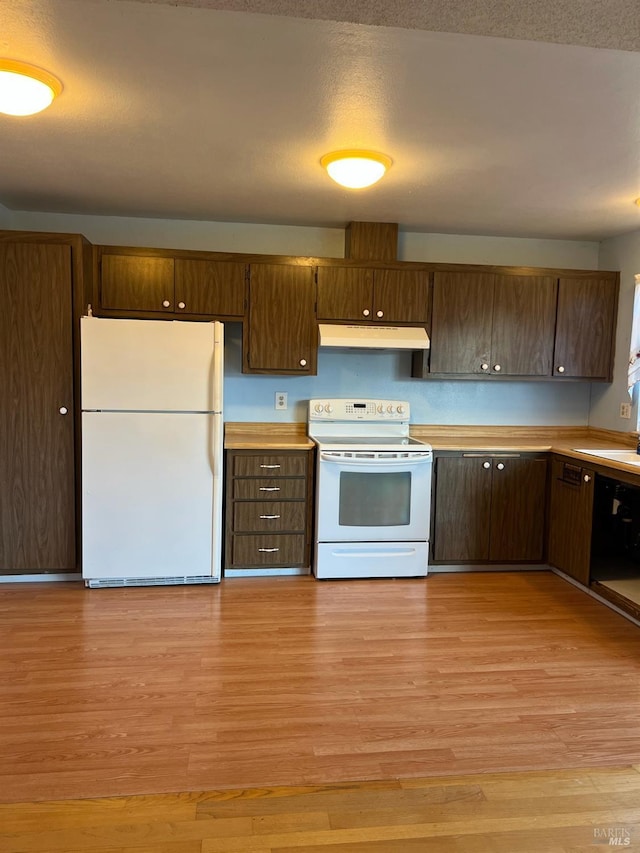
373, 337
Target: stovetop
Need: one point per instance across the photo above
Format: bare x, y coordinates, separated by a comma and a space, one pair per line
361, 424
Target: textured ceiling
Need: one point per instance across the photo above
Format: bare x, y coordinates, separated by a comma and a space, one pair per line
184, 111
592, 23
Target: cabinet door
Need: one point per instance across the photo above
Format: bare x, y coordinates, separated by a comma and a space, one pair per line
282, 335
401, 296
524, 315
37, 469
214, 288
570, 519
518, 509
461, 322
585, 328
462, 508
134, 283
345, 293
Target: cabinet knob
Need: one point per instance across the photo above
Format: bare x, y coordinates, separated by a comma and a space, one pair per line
500, 466
366, 312
269, 466
587, 478
497, 368
270, 517
379, 313
181, 305
486, 464
269, 550
268, 488
303, 362
63, 410
484, 366
561, 369
166, 303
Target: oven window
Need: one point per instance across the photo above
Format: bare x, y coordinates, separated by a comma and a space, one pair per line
374, 500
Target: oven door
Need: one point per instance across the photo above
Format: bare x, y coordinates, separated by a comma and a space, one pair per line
373, 497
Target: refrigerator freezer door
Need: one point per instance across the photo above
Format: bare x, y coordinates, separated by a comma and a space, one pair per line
148, 365
148, 494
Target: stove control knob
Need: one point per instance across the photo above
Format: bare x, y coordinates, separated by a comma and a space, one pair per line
318, 407
328, 409
390, 409
380, 409
400, 409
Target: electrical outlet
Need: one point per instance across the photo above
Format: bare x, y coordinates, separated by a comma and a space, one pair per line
281, 400
625, 410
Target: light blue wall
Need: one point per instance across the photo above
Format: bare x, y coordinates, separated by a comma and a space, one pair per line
387, 375
619, 253
348, 373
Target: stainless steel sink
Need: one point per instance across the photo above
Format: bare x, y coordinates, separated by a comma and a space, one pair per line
629, 457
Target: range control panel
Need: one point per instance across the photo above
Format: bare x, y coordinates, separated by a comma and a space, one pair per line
358, 410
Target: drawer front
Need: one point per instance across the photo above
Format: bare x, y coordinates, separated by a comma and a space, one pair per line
270, 465
255, 551
270, 490
271, 516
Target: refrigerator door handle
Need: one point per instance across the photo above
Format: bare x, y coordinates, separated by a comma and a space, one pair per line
217, 450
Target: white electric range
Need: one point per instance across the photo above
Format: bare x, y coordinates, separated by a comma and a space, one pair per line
373, 490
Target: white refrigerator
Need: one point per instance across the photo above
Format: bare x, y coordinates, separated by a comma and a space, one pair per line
152, 444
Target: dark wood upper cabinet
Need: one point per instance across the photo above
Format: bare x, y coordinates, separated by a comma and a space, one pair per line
461, 322
496, 322
37, 436
489, 508
570, 516
401, 296
137, 283
585, 330
281, 335
364, 295
345, 293
492, 324
524, 315
210, 287
140, 284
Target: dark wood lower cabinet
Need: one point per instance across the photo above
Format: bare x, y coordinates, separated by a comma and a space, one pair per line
489, 508
268, 510
37, 436
462, 514
570, 518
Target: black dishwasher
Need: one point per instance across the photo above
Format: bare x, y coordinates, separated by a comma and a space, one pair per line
615, 542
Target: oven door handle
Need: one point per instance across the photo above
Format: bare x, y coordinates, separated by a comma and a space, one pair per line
414, 459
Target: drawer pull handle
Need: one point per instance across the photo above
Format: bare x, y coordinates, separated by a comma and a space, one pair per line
269, 516
271, 466
269, 489
268, 550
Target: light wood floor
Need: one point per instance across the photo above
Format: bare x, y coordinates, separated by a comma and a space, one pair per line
268, 682
557, 811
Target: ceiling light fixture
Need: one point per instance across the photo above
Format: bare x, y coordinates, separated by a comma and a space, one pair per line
25, 89
354, 168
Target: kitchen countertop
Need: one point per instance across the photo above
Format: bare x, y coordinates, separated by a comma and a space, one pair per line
266, 436
454, 437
